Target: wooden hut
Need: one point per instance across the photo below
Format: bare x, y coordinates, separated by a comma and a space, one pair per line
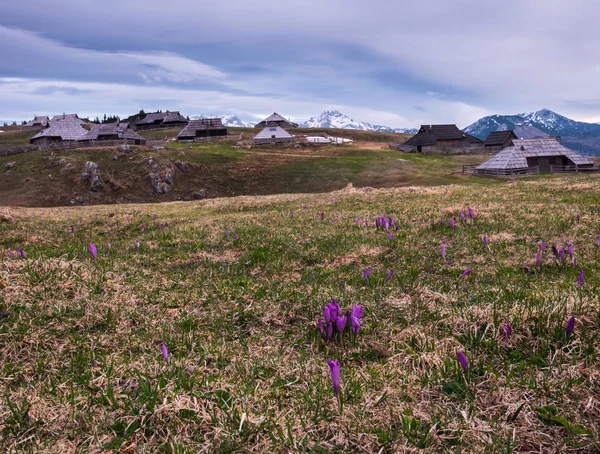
533, 156
276, 120
499, 140
119, 132
202, 129
442, 139
57, 132
161, 120
68, 117
37, 122
272, 135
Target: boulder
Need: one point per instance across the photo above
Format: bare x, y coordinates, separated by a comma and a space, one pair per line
10, 165
91, 174
162, 178
181, 165
199, 195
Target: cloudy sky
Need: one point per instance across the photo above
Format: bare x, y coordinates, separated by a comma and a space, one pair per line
397, 63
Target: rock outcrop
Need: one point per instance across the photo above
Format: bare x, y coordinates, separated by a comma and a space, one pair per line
91, 174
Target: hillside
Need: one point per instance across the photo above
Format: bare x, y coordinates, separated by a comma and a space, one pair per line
577, 135
195, 328
51, 178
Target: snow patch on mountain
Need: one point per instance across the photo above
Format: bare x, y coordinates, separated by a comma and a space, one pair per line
336, 119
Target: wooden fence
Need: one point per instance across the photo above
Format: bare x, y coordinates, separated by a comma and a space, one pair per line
573, 169
468, 170
507, 173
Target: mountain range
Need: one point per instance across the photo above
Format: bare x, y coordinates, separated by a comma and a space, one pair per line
577, 135
328, 119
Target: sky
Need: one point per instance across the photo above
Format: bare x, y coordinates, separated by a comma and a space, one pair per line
393, 63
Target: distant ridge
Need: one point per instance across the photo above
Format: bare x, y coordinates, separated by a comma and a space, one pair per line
577, 135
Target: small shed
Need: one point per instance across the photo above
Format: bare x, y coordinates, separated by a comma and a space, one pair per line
499, 140
161, 120
203, 128
113, 132
58, 131
441, 139
272, 135
276, 120
38, 122
68, 117
532, 156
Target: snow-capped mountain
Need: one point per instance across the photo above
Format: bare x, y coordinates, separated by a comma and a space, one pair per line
228, 120
577, 135
336, 119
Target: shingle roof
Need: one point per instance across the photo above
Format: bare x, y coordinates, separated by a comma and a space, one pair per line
430, 134
164, 117
68, 117
66, 130
277, 118
498, 138
122, 130
202, 124
270, 131
41, 120
515, 156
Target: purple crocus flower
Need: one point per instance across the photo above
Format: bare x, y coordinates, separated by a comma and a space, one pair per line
570, 250
237, 236
22, 253
389, 276
574, 262
326, 315
367, 274
137, 243
562, 254
471, 213
581, 278
570, 327
162, 226
322, 215
228, 231
485, 240
543, 246
390, 235
329, 331
321, 327
466, 273
367, 223
461, 215
555, 251
355, 323
451, 223
443, 252
334, 371
358, 311
93, 250
340, 323
165, 352
10, 253
292, 213
154, 215
507, 330
578, 217
463, 361
538, 260
358, 222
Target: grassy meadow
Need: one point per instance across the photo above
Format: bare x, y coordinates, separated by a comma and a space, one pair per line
234, 288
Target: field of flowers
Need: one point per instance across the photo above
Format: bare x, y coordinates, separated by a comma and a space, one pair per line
443, 319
